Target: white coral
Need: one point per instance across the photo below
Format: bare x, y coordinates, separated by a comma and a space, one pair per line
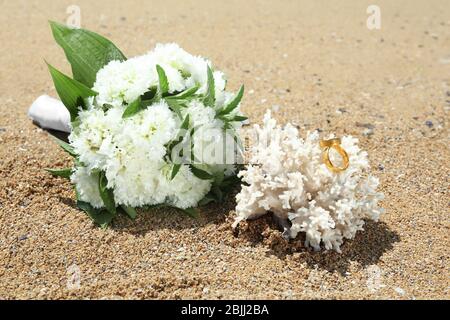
287, 177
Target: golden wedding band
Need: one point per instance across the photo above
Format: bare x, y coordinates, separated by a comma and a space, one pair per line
336, 145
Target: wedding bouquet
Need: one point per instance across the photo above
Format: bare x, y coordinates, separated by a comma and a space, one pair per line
158, 129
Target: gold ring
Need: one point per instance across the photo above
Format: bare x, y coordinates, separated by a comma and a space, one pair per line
336, 145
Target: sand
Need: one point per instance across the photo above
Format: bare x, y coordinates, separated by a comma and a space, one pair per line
318, 65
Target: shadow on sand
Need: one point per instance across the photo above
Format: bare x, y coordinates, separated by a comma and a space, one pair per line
149, 220
366, 248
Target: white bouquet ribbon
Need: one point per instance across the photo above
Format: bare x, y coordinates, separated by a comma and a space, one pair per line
50, 113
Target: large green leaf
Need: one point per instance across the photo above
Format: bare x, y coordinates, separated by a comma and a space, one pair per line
106, 194
210, 97
234, 103
86, 51
71, 92
63, 173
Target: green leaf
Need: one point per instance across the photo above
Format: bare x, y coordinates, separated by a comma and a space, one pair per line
153, 206
132, 108
86, 51
221, 187
100, 217
234, 103
179, 136
219, 177
201, 174
185, 94
176, 167
193, 213
71, 92
206, 199
238, 118
229, 182
66, 147
175, 106
150, 94
106, 194
107, 106
185, 124
217, 193
163, 82
130, 211
210, 97
63, 173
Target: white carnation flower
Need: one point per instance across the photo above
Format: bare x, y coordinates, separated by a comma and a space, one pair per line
192, 67
186, 190
123, 82
86, 185
92, 136
138, 182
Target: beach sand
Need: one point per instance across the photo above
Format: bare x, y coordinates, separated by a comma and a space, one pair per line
317, 65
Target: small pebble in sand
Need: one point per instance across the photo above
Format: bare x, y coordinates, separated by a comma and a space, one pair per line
380, 167
367, 132
23, 237
400, 291
365, 125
